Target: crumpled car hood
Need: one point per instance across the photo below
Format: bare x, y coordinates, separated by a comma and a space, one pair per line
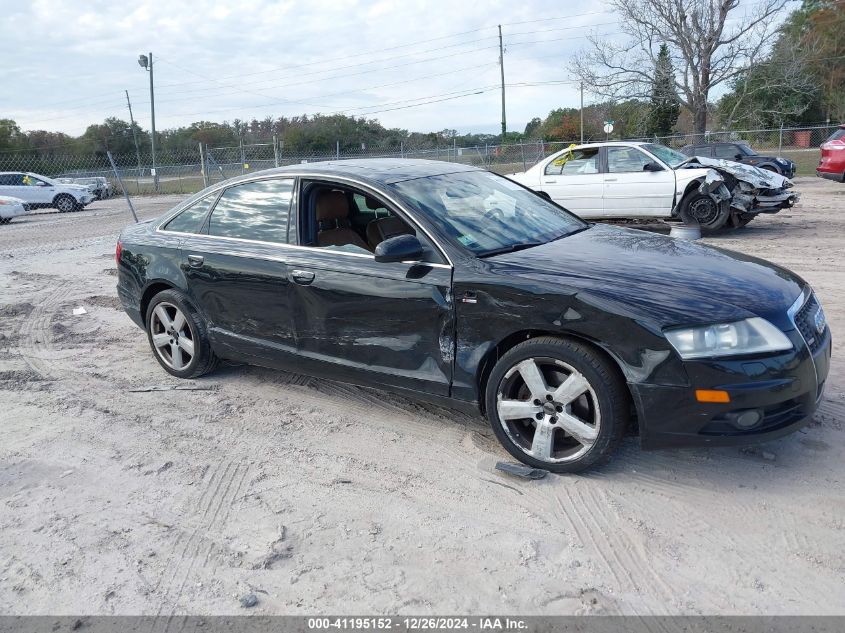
756, 177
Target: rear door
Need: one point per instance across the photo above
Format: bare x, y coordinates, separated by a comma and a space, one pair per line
630, 191
236, 268
574, 181
365, 321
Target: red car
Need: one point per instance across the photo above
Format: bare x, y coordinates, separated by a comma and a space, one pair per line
832, 163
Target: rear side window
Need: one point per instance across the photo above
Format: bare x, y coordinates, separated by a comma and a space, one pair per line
574, 163
254, 211
190, 219
11, 179
838, 134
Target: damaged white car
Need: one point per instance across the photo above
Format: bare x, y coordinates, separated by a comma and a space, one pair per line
619, 180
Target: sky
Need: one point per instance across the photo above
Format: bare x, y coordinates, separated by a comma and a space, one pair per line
421, 66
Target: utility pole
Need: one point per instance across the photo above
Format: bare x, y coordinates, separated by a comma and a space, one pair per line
502, 68
582, 113
146, 62
134, 134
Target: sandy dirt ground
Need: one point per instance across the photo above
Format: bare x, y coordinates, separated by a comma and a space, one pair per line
324, 498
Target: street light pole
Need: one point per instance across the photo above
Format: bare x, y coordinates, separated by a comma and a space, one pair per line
146, 62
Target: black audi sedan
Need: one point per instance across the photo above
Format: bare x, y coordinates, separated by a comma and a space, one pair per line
451, 284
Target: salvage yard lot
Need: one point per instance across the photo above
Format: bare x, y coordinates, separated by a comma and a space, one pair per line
319, 497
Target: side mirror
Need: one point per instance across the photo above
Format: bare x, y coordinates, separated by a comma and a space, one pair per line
738, 156
652, 166
399, 249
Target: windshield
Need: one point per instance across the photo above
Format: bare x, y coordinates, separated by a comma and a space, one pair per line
487, 214
745, 149
666, 154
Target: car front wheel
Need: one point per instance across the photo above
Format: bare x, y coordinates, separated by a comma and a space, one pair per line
557, 404
65, 203
178, 336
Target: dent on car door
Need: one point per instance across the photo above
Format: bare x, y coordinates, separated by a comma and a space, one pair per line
365, 321
574, 180
236, 269
630, 190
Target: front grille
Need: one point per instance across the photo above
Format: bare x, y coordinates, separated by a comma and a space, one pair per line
805, 321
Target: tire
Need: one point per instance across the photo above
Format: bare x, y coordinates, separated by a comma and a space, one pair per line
595, 407
65, 203
701, 208
5, 220
170, 316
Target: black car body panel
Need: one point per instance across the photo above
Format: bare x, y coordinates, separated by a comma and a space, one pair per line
434, 330
742, 153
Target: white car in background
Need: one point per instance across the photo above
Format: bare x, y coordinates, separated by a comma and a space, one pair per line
39, 191
11, 208
647, 180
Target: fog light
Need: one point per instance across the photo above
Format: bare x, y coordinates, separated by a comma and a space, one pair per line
746, 419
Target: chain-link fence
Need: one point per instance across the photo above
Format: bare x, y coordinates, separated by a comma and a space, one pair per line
190, 171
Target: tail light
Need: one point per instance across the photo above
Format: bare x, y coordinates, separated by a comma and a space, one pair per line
118, 251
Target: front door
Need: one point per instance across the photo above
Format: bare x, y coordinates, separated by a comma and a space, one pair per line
237, 269
382, 323
630, 191
573, 180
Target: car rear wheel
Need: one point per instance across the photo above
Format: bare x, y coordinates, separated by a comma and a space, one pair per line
5, 220
556, 404
178, 336
65, 203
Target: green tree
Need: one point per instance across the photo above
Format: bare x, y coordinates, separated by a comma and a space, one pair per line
665, 105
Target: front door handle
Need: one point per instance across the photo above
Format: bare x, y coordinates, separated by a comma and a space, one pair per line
551, 182
611, 179
302, 277
195, 261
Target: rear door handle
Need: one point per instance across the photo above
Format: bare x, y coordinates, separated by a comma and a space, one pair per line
195, 260
302, 277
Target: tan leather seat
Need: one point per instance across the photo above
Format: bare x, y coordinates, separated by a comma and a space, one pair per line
332, 211
384, 228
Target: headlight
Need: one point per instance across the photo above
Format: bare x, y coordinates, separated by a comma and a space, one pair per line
751, 336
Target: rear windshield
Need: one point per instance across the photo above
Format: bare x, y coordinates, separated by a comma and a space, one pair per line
838, 134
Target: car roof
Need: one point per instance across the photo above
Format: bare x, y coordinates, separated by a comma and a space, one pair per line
374, 170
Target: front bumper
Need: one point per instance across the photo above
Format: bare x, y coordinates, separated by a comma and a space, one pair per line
785, 388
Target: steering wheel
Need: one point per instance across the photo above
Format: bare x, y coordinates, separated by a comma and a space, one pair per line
495, 212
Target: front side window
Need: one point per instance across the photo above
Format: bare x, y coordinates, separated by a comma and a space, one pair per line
626, 159
728, 152
190, 220
254, 211
575, 162
486, 213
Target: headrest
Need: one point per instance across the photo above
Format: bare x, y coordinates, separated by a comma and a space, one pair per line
331, 205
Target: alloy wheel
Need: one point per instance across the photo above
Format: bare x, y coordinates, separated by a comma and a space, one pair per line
548, 409
64, 204
172, 336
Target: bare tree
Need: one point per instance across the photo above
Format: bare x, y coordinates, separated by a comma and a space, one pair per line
710, 42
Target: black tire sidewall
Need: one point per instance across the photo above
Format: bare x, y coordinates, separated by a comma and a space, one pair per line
722, 218
609, 389
203, 356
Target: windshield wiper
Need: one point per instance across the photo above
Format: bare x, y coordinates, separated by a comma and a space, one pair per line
508, 249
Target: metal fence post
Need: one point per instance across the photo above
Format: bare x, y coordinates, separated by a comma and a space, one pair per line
780, 138
203, 171
337, 150
402, 149
522, 148
122, 188
275, 151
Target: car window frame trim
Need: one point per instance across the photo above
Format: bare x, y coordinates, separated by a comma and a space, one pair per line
298, 176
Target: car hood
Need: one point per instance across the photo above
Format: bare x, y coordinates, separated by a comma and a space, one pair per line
662, 280
756, 177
